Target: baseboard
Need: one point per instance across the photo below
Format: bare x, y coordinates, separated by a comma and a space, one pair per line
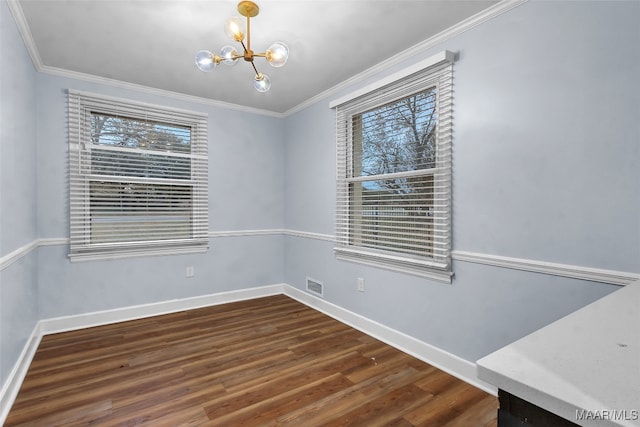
441, 359
16, 376
87, 320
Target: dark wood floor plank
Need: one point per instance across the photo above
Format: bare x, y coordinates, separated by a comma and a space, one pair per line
449, 401
267, 361
345, 401
82, 413
480, 414
269, 410
279, 381
386, 409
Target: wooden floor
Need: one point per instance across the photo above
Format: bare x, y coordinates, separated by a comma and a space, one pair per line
267, 361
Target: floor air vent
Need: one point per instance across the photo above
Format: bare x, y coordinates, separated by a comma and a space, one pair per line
314, 286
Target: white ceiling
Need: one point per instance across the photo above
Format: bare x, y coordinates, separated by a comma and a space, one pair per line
153, 43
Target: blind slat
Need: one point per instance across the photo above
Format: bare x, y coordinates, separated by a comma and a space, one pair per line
393, 187
138, 178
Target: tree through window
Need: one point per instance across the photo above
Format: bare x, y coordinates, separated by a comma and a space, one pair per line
394, 176
138, 178
394, 155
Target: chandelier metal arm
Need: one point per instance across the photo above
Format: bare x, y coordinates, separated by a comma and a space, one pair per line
276, 54
255, 69
248, 34
246, 51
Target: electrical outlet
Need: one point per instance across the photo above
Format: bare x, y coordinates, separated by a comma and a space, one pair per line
190, 271
361, 284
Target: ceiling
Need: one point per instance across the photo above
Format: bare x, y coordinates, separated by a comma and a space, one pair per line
153, 43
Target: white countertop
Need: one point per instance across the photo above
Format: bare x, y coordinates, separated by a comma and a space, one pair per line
588, 361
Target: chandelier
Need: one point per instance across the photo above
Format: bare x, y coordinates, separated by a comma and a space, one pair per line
277, 54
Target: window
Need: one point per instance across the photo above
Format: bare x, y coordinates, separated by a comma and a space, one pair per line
394, 174
138, 178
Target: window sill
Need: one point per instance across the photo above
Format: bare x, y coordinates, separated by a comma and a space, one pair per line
135, 253
414, 266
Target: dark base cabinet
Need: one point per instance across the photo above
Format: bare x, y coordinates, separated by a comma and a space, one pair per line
516, 412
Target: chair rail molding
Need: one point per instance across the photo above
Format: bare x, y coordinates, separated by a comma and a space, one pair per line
612, 277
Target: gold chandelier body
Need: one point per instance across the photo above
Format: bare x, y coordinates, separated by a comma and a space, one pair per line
277, 54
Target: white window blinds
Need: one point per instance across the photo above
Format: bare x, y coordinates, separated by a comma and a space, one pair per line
394, 175
138, 178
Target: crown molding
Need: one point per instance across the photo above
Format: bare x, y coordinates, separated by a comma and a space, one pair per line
473, 21
483, 16
25, 32
60, 72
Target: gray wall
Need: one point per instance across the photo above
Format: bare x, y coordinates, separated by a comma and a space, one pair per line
245, 193
18, 193
545, 167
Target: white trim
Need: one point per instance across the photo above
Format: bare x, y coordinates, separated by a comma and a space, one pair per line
612, 277
432, 61
12, 385
441, 359
53, 241
155, 91
477, 19
15, 255
25, 32
87, 320
309, 235
555, 269
24, 250
68, 323
400, 264
483, 16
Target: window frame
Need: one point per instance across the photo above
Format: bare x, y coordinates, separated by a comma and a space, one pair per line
436, 71
81, 107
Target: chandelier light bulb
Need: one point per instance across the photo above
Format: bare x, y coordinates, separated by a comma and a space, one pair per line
227, 54
262, 83
277, 54
234, 27
205, 61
